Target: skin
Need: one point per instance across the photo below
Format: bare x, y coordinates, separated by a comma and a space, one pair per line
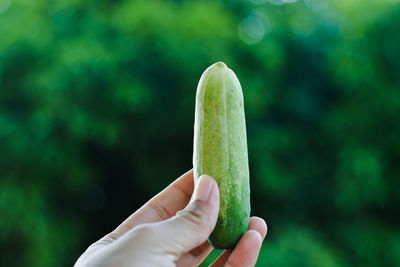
172, 230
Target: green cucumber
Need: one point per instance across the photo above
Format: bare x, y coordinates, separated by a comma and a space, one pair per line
220, 150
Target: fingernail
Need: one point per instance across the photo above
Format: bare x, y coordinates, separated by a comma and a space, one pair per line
203, 188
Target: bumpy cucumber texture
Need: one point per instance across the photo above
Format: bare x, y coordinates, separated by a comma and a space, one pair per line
220, 150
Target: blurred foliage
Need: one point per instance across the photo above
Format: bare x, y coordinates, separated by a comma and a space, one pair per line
97, 111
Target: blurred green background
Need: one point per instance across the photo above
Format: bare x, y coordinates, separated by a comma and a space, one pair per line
97, 111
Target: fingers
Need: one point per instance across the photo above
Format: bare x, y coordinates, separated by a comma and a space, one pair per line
245, 253
192, 225
163, 206
247, 250
194, 257
259, 225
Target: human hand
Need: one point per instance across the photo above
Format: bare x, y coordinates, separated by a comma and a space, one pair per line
172, 230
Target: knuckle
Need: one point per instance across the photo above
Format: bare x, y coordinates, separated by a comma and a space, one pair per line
195, 213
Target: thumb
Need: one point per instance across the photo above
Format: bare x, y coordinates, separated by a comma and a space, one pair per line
192, 226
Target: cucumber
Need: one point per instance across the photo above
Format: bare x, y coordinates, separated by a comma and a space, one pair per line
220, 150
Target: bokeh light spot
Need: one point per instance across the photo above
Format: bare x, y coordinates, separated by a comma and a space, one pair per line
254, 27
316, 5
281, 2
4, 5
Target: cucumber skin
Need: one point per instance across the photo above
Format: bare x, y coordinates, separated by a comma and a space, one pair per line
220, 150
